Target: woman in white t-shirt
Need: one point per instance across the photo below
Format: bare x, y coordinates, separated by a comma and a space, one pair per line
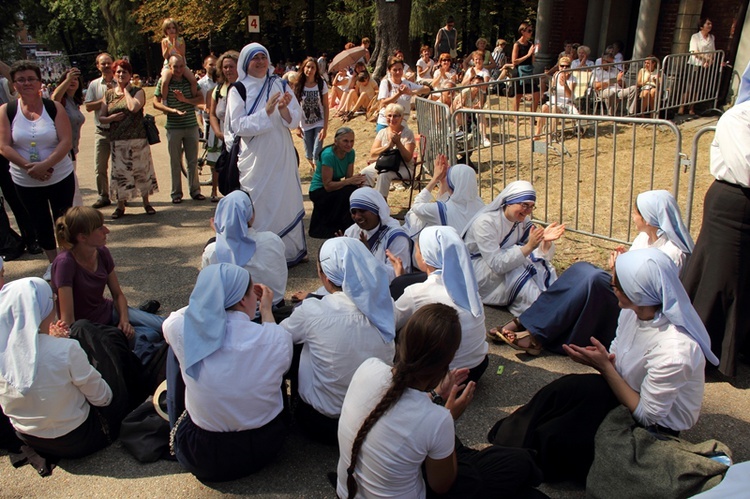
311, 92
393, 424
701, 42
425, 66
396, 89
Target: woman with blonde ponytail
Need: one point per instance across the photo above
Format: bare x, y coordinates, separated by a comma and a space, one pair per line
396, 430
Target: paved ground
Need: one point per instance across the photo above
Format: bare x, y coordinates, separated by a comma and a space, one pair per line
159, 257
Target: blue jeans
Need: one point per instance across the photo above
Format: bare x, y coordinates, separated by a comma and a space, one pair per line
148, 333
313, 146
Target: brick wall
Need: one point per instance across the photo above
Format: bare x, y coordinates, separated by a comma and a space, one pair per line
665, 30
723, 15
569, 23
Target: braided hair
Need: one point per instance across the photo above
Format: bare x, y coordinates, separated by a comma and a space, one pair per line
426, 347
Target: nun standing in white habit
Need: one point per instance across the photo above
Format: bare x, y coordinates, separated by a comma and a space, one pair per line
267, 159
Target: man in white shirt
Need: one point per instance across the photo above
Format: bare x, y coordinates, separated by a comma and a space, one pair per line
94, 101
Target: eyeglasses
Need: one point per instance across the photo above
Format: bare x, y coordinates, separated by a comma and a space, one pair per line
563, 66
393, 115
23, 81
527, 206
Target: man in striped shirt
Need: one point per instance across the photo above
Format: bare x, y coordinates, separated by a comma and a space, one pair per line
182, 128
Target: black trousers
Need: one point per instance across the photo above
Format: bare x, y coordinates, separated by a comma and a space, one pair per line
19, 211
38, 202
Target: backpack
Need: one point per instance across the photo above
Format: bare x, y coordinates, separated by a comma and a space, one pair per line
49, 105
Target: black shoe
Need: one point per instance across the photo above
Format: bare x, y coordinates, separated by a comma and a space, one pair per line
150, 306
33, 248
101, 203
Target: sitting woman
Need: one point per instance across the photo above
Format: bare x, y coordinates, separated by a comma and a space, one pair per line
396, 439
648, 83
82, 270
654, 367
332, 184
457, 201
395, 145
260, 253
561, 96
232, 368
374, 226
450, 280
349, 325
511, 257
580, 304
359, 98
58, 404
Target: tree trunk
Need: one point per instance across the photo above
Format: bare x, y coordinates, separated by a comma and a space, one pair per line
392, 32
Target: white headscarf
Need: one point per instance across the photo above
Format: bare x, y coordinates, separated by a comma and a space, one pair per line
248, 52
659, 209
442, 248
516, 192
24, 304
367, 198
218, 287
233, 242
464, 201
649, 278
348, 264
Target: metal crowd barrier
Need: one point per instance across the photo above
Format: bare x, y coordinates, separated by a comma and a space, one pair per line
693, 162
587, 179
687, 83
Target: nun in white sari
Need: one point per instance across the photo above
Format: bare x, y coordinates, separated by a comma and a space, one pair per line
374, 226
450, 280
457, 202
267, 159
238, 242
511, 257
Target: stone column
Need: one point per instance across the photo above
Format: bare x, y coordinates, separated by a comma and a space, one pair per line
688, 17
545, 58
593, 28
645, 32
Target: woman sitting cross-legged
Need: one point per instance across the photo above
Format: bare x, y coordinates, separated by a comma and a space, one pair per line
450, 280
58, 404
654, 367
581, 304
332, 184
352, 323
232, 371
511, 257
83, 269
457, 201
374, 226
260, 252
396, 439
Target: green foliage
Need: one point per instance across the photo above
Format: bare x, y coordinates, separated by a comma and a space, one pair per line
353, 19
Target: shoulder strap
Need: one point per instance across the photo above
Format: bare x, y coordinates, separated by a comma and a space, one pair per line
11, 110
51, 108
49, 105
240, 89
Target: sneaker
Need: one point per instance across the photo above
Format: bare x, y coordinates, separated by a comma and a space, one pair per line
486, 142
48, 273
33, 248
150, 306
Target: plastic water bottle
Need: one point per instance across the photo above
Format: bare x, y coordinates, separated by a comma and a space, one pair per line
34, 153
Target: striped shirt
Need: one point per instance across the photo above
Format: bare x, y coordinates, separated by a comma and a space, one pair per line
174, 120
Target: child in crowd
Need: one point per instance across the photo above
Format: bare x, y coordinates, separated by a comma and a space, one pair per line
173, 44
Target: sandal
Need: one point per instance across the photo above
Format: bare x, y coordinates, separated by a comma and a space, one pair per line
118, 213
214, 198
534, 348
149, 209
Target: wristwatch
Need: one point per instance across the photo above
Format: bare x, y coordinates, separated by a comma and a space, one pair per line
436, 398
